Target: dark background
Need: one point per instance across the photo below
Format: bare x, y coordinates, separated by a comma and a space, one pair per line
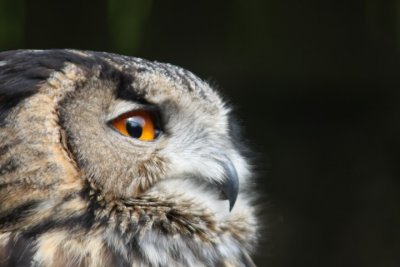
315, 85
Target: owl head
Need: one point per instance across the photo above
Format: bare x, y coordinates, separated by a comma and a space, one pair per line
138, 156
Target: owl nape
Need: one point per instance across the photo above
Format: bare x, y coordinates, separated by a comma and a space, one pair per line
109, 160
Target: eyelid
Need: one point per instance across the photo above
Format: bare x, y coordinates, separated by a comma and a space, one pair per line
123, 107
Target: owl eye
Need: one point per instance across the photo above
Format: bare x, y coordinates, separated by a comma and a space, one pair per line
139, 124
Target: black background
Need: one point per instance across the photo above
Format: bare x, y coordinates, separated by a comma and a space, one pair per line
314, 83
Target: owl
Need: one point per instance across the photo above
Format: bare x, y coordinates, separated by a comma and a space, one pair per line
109, 160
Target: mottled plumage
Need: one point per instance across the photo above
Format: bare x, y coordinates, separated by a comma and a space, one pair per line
76, 192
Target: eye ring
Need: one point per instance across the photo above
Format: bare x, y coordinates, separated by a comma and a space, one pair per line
139, 124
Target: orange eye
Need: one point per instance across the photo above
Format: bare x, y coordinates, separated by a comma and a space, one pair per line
137, 124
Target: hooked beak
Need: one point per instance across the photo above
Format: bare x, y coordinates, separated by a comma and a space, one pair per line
230, 184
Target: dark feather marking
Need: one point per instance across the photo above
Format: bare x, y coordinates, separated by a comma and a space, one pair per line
9, 166
125, 90
5, 148
7, 104
84, 221
72, 223
21, 251
18, 213
81, 222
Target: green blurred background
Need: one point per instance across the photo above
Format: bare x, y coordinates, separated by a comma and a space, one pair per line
315, 84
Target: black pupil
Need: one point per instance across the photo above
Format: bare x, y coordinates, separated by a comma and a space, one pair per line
134, 126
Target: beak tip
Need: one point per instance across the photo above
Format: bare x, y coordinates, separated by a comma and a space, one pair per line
231, 204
